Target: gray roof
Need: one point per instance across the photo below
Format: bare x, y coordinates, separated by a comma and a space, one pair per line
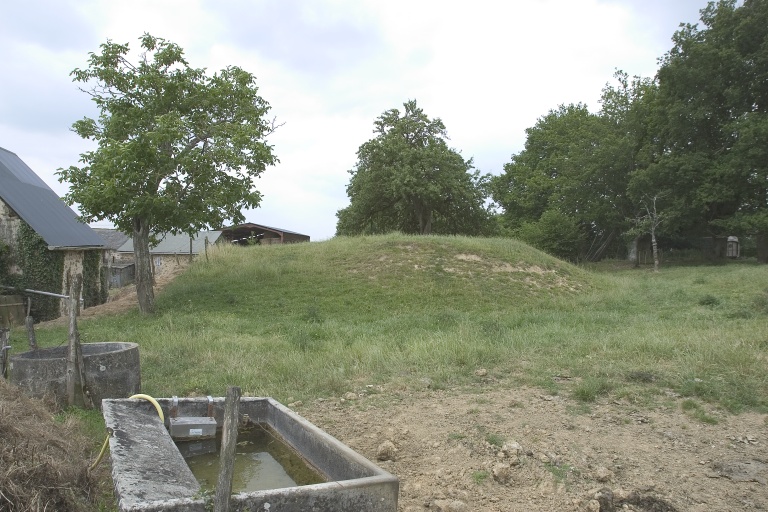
113, 238
177, 244
40, 207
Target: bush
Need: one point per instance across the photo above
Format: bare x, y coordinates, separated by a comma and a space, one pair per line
554, 233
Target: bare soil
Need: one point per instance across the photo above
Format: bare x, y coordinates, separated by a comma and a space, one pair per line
120, 300
494, 447
491, 448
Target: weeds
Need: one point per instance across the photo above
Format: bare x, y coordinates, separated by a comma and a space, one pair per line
495, 440
709, 300
591, 388
560, 472
694, 409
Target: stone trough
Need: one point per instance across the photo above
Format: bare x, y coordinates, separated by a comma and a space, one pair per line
111, 370
150, 474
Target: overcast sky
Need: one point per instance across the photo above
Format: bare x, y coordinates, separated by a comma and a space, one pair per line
488, 69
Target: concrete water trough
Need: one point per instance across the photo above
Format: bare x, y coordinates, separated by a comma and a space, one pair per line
151, 475
112, 370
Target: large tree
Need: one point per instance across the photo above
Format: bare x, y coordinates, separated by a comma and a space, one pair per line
713, 99
178, 150
577, 165
408, 179
574, 165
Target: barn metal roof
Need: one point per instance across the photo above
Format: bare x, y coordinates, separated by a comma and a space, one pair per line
35, 202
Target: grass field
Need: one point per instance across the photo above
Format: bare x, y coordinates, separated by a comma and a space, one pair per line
313, 320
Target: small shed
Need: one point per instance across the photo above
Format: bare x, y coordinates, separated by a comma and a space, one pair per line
121, 274
733, 250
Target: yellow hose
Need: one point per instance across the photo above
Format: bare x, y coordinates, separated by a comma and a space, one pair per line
106, 441
154, 402
101, 455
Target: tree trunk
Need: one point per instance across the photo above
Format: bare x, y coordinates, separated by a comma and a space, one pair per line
655, 251
425, 221
633, 251
599, 253
762, 248
143, 258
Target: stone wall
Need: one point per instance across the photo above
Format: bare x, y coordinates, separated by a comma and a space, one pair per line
9, 229
167, 264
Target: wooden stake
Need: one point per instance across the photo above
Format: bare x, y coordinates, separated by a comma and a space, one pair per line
227, 455
75, 365
4, 355
73, 342
30, 324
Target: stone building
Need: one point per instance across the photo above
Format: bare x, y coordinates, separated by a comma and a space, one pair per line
26, 200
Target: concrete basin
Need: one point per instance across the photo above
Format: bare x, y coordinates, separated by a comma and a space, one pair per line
112, 370
150, 474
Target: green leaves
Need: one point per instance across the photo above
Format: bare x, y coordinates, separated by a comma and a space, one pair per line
575, 167
713, 101
177, 150
407, 179
175, 145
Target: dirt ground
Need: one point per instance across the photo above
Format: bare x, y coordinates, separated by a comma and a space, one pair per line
492, 447
489, 448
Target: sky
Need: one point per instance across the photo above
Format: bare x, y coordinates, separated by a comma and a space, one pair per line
488, 68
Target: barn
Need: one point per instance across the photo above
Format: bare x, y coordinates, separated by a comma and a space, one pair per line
44, 241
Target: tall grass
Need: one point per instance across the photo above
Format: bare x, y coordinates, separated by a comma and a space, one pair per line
310, 320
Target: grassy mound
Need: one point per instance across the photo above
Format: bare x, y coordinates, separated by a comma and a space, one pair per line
322, 319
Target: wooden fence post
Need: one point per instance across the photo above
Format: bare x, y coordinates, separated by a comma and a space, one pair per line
75, 365
228, 445
4, 349
30, 324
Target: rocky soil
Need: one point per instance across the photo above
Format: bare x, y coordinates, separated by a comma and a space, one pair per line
490, 448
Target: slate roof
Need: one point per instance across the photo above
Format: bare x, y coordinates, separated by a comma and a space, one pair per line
41, 208
177, 244
113, 238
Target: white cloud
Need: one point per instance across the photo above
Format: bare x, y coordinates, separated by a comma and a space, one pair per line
489, 69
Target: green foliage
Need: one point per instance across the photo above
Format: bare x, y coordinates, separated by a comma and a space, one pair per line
693, 138
479, 477
709, 300
555, 233
576, 163
695, 409
561, 472
5, 265
591, 388
493, 439
713, 123
42, 270
178, 150
407, 179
